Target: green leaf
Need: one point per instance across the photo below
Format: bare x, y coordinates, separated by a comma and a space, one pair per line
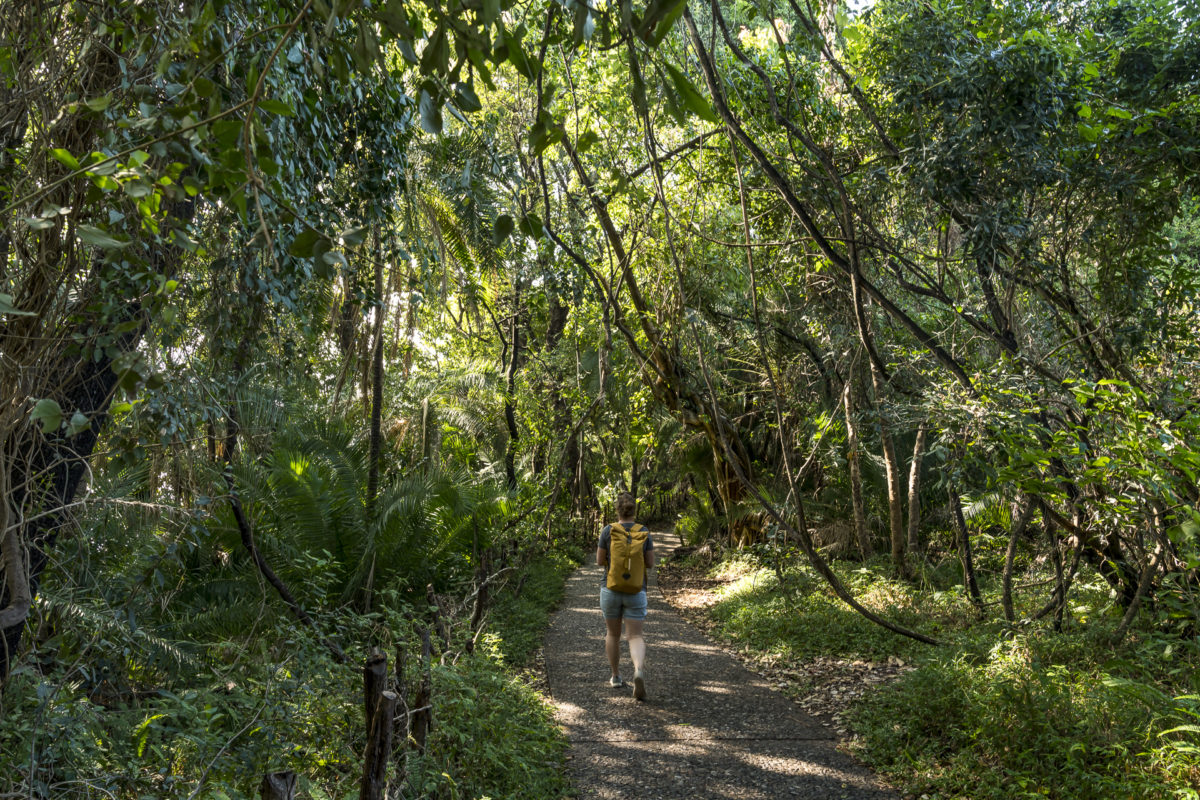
638, 88
48, 413
691, 96
99, 103
431, 113
361, 52
1182, 729
395, 20
204, 87
586, 141
65, 158
302, 246
354, 236
531, 226
583, 25
466, 99
78, 424
89, 234
502, 229
517, 57
334, 258
541, 136
667, 22
277, 107
1119, 113
406, 50
436, 53
38, 223
137, 189
7, 307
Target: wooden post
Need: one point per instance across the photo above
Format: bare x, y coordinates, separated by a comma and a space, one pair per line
438, 620
374, 682
278, 786
422, 715
379, 749
401, 721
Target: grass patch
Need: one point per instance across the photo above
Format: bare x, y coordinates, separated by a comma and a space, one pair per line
800, 618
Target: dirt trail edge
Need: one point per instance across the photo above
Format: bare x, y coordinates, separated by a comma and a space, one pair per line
709, 728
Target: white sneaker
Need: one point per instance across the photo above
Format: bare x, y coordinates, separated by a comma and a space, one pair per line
616, 682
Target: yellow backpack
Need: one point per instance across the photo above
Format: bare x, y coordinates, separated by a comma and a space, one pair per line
626, 558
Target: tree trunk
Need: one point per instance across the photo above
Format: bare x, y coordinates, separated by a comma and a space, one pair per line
1018, 530
1060, 585
376, 441
964, 549
379, 712
914, 490
422, 716
378, 753
895, 499
852, 457
1143, 586
510, 414
375, 673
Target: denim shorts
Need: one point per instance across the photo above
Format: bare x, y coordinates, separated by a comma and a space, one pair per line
615, 605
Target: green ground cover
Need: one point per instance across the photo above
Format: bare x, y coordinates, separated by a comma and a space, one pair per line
276, 700
998, 711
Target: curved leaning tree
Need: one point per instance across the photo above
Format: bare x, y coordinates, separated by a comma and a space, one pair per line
948, 225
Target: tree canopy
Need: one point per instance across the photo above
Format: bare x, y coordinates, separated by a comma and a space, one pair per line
377, 303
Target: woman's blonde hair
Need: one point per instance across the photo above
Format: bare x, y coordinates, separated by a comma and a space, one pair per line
626, 505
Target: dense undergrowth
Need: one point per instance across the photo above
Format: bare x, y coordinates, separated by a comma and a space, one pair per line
80, 724
998, 711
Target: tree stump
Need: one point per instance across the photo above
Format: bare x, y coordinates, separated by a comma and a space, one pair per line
278, 786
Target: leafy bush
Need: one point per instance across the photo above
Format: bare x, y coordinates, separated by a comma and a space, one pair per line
519, 619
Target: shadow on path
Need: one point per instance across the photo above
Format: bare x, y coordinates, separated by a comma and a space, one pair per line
709, 728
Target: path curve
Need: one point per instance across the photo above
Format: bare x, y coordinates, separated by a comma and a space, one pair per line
709, 728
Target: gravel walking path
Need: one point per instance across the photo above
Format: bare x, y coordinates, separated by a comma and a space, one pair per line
708, 729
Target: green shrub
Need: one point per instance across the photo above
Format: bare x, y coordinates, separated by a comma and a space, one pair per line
1019, 725
493, 736
518, 619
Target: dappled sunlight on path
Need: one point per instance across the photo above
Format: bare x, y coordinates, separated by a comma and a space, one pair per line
709, 728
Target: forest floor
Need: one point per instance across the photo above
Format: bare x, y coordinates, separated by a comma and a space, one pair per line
709, 728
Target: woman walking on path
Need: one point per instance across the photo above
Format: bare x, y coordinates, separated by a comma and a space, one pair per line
625, 601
